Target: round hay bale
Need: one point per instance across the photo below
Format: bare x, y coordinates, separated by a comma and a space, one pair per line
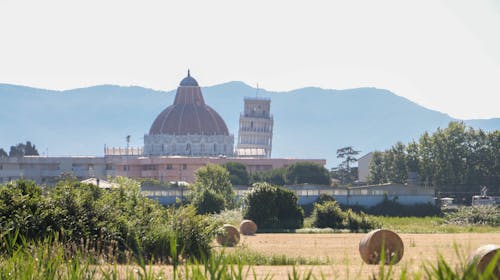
371, 245
483, 256
248, 227
229, 236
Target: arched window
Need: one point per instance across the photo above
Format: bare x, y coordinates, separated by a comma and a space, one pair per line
215, 148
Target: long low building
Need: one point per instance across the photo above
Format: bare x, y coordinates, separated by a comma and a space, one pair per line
365, 196
48, 170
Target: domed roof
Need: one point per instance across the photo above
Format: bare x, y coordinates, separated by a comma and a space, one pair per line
189, 114
189, 81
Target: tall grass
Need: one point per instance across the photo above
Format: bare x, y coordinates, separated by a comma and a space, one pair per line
48, 259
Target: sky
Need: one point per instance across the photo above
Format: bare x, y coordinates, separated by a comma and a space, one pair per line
444, 55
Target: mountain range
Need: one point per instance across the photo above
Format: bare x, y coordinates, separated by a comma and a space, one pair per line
308, 122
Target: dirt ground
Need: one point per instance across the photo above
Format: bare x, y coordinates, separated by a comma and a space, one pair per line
342, 251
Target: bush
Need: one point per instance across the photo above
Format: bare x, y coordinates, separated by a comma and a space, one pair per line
272, 207
324, 197
475, 215
208, 202
22, 210
118, 221
328, 214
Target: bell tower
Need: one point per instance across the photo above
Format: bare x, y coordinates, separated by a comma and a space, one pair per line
255, 136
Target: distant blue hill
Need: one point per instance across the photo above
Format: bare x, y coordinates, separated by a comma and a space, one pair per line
309, 122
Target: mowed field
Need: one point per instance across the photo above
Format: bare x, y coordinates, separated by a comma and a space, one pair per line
341, 251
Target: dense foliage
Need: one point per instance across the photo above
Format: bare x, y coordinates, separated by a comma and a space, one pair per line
215, 178
238, 174
274, 176
297, 173
328, 214
451, 159
474, 215
20, 150
118, 220
307, 173
272, 207
208, 201
392, 208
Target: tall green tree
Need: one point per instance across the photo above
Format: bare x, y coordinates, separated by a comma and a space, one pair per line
395, 159
343, 171
377, 169
456, 159
215, 178
3, 153
238, 174
22, 149
307, 172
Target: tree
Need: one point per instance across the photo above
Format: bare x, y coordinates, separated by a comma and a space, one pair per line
238, 174
377, 169
344, 169
21, 150
274, 177
395, 159
273, 207
307, 173
3, 153
208, 202
216, 178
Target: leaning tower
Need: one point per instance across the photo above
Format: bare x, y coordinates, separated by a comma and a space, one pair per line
255, 136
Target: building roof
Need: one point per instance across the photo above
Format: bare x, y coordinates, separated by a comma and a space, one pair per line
189, 114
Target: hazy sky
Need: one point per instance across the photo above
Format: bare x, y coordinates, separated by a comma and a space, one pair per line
444, 55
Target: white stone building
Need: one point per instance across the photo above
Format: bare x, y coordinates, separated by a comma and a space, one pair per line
255, 136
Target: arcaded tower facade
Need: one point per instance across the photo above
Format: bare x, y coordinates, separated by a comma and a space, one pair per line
189, 127
255, 136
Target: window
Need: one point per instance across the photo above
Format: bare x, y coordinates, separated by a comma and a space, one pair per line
184, 166
149, 167
126, 168
169, 167
109, 166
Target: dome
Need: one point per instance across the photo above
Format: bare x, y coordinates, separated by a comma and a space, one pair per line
189, 81
189, 115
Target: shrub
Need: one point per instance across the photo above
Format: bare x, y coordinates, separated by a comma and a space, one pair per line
353, 221
208, 202
216, 178
273, 207
324, 197
22, 210
328, 214
116, 221
475, 215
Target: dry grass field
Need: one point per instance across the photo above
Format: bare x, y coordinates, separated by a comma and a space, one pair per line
341, 250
